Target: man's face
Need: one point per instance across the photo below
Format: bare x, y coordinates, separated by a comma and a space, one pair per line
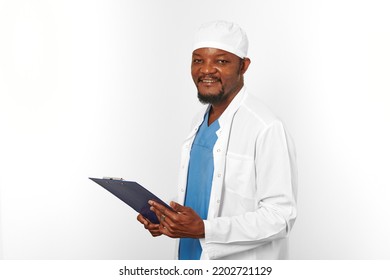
217, 74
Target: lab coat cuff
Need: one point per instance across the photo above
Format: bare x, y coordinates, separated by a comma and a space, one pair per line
203, 241
207, 231
207, 235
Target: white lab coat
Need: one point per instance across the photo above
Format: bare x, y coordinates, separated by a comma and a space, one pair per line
253, 195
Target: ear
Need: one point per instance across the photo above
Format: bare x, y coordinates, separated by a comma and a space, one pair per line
245, 64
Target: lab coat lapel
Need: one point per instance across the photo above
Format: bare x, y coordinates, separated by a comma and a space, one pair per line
220, 152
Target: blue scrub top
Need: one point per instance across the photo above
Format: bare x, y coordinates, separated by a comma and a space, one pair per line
199, 180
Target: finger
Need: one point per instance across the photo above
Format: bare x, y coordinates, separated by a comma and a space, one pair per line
157, 212
154, 229
155, 232
151, 227
177, 207
163, 219
164, 230
164, 210
141, 219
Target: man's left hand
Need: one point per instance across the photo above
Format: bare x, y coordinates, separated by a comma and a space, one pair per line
182, 222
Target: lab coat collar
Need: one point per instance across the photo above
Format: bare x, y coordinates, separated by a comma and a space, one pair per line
226, 116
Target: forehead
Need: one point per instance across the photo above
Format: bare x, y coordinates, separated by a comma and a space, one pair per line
211, 52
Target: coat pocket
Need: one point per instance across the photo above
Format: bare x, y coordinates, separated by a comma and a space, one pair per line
239, 183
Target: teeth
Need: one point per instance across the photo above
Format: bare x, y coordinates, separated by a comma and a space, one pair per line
209, 81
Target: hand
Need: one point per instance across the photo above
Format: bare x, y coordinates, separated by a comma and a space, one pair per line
182, 222
154, 229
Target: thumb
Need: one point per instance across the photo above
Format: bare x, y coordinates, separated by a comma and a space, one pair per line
176, 206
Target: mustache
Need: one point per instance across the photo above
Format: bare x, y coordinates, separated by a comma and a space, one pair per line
208, 77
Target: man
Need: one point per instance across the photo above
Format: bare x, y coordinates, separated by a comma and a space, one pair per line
238, 172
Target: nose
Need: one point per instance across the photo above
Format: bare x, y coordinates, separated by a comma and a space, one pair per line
208, 68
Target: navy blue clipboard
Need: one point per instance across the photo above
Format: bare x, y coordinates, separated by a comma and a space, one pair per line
134, 195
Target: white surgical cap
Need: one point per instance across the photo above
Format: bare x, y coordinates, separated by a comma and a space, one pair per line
223, 35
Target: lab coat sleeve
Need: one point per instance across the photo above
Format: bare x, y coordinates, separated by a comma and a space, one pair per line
275, 203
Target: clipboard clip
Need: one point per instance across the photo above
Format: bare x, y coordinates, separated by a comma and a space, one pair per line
113, 178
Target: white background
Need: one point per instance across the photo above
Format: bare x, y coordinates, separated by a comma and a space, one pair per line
103, 88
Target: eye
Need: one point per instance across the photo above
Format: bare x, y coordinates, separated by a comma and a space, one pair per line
196, 61
222, 61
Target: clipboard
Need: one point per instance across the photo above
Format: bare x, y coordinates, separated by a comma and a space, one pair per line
133, 194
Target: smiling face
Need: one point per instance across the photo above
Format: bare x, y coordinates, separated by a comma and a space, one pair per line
217, 74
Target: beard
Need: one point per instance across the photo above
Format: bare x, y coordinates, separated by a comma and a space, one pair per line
212, 98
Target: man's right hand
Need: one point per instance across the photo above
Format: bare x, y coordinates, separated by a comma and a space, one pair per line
153, 228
